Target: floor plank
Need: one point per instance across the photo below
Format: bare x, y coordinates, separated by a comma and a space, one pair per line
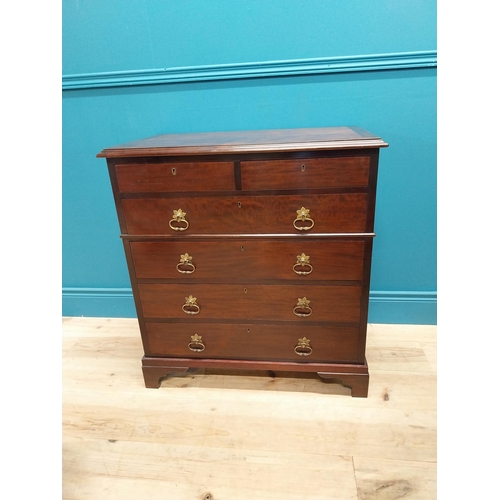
132, 469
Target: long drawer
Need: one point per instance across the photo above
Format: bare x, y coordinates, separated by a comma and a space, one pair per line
258, 302
250, 341
280, 214
249, 259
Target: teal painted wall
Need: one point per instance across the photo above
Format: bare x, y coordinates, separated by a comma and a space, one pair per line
104, 40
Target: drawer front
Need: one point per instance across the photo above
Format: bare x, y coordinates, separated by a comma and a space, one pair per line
175, 177
309, 173
249, 259
258, 302
250, 341
325, 213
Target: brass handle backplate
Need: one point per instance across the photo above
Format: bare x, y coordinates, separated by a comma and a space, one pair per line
303, 348
302, 266
196, 343
186, 262
302, 308
303, 216
179, 221
191, 307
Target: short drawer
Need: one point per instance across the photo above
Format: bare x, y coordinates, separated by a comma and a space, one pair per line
318, 213
308, 173
259, 302
175, 177
250, 341
253, 259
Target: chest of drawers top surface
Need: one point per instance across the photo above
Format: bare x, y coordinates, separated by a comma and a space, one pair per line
310, 139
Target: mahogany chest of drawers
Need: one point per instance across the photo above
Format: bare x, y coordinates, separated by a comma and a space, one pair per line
250, 250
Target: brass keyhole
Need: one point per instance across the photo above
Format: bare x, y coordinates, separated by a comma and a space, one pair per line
242, 248
303, 168
174, 171
244, 290
239, 204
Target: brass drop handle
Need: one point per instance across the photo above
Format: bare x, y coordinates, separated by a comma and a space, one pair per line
303, 217
302, 266
191, 307
196, 343
186, 262
303, 348
179, 221
302, 308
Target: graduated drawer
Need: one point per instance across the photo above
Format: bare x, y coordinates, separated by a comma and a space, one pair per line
175, 177
250, 341
256, 302
307, 173
330, 213
249, 259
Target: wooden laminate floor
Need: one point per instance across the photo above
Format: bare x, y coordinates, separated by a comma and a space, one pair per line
229, 437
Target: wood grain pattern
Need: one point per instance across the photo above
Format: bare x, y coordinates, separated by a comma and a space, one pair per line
332, 213
385, 479
305, 173
255, 302
254, 435
247, 259
175, 177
